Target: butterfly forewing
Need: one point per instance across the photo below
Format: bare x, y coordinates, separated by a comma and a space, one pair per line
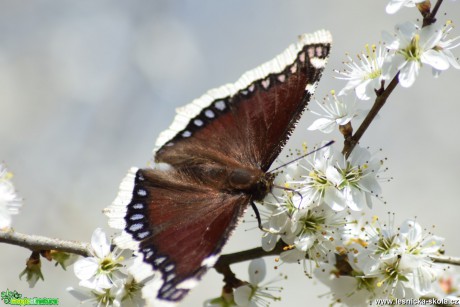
212, 163
252, 125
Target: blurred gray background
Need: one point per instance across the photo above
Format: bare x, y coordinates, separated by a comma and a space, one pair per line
86, 87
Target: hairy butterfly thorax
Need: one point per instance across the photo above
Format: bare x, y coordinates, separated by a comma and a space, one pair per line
210, 164
251, 181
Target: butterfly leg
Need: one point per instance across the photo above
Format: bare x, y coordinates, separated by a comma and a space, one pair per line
259, 220
256, 211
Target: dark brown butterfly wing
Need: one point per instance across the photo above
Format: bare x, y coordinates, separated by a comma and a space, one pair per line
175, 246
253, 123
180, 217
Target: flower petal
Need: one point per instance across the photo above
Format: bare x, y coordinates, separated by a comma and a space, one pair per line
78, 294
335, 199
429, 37
391, 41
394, 6
269, 241
304, 243
435, 59
355, 199
364, 89
334, 176
103, 281
242, 295
86, 268
99, 243
451, 58
408, 73
406, 32
324, 125
257, 271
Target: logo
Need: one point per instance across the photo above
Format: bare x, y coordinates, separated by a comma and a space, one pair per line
15, 298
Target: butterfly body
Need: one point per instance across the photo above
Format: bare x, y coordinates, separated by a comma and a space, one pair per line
208, 166
220, 172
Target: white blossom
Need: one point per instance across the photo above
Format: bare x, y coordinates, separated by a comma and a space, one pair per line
255, 294
445, 45
315, 234
349, 290
128, 292
364, 76
341, 182
124, 292
280, 204
360, 181
400, 259
375, 261
10, 202
337, 112
416, 257
411, 47
103, 269
320, 181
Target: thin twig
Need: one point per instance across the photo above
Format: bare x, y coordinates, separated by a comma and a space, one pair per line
382, 97
40, 243
430, 18
446, 260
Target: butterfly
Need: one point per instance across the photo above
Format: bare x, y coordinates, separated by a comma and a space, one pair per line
209, 165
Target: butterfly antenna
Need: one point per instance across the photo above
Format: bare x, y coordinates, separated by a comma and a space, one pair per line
303, 156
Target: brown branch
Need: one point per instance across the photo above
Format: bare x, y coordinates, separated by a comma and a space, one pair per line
431, 17
382, 97
39, 243
250, 254
222, 265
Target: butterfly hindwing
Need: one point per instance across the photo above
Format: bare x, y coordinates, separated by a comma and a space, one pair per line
177, 235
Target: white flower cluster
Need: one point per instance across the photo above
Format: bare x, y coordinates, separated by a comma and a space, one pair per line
10, 202
402, 54
318, 188
104, 279
413, 46
360, 262
383, 263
